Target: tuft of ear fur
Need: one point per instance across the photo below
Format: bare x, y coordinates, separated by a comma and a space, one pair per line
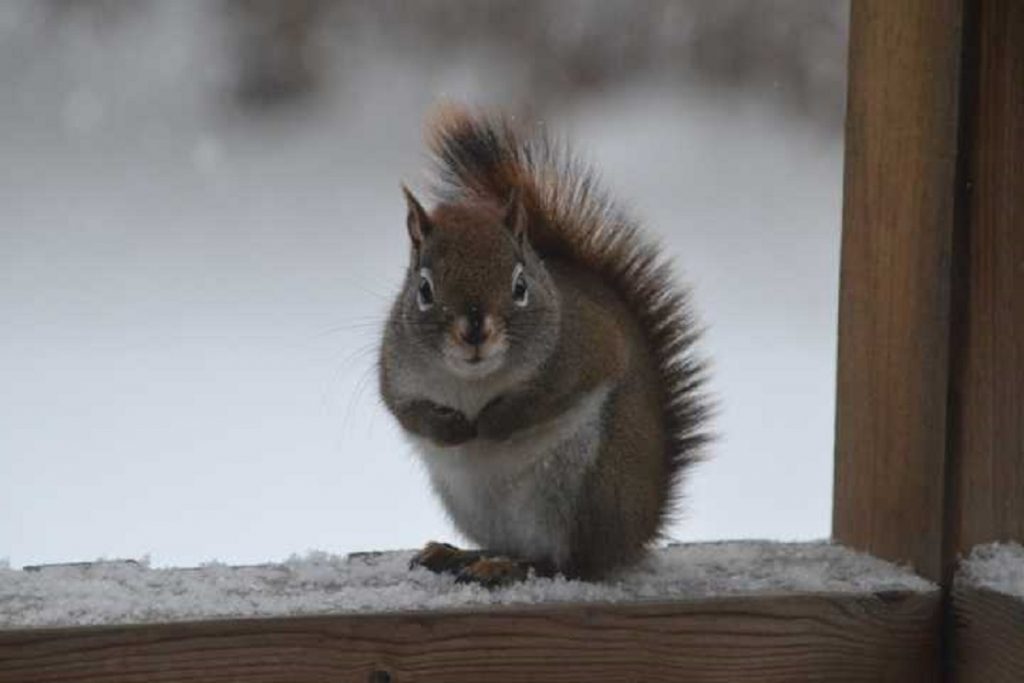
515, 216
417, 221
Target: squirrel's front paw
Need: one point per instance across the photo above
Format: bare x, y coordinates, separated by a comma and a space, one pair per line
451, 427
494, 572
497, 419
440, 424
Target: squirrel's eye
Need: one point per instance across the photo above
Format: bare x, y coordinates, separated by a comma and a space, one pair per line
520, 294
425, 292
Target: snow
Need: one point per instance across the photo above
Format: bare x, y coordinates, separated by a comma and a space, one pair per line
191, 296
113, 592
996, 566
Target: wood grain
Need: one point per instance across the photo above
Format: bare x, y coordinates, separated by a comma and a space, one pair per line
989, 382
989, 636
833, 637
899, 213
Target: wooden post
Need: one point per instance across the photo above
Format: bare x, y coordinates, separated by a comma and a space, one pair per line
930, 402
899, 214
987, 397
988, 381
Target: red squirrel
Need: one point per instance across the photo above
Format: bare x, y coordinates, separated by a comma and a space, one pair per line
541, 359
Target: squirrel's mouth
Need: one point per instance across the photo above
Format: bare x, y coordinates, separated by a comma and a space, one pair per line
475, 360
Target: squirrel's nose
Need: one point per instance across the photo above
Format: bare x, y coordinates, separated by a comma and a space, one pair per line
475, 327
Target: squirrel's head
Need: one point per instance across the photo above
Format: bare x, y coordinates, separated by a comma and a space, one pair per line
477, 298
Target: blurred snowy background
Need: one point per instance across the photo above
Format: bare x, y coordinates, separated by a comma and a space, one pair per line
201, 229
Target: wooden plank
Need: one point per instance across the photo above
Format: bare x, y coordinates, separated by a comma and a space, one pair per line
894, 304
821, 637
989, 633
989, 384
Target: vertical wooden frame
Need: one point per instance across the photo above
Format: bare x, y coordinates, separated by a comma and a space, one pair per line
894, 302
930, 403
986, 628
987, 437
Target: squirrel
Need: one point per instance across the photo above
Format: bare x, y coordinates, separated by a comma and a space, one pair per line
541, 360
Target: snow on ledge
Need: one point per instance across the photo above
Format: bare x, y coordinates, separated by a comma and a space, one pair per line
996, 566
319, 583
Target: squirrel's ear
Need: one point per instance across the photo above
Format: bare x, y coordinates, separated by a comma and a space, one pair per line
417, 220
515, 215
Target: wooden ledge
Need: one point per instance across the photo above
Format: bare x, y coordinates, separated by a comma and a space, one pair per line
743, 611
988, 615
988, 642
822, 637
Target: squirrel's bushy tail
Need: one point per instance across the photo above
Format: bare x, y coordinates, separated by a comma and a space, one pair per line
570, 217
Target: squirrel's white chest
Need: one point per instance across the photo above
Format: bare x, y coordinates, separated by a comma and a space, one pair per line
518, 496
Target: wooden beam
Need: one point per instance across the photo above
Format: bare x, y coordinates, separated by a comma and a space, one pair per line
820, 637
930, 402
988, 384
899, 215
989, 633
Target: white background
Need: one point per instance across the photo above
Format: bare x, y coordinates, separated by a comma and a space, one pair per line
190, 299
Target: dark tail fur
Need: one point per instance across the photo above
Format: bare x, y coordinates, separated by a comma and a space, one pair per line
571, 218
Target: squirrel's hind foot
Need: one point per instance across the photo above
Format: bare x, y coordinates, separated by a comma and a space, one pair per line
494, 572
476, 566
444, 558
